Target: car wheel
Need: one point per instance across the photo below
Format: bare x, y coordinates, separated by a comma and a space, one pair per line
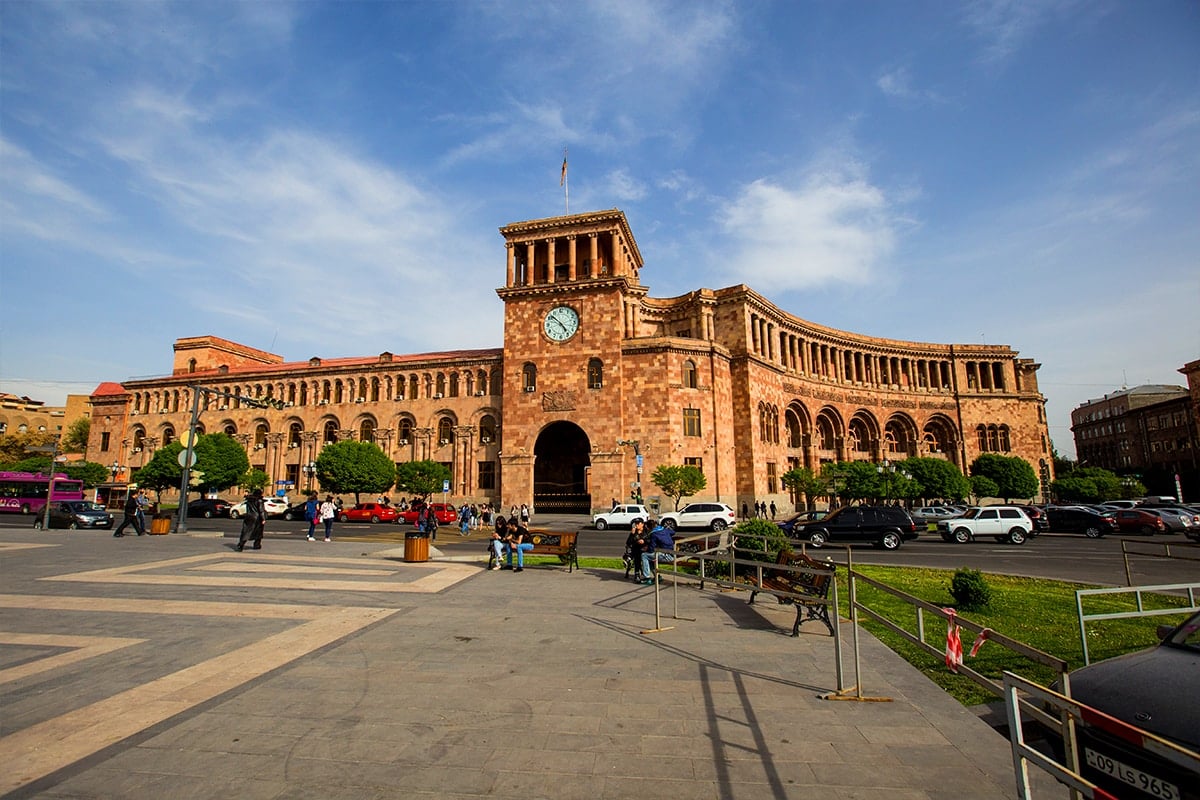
1092, 532
287, 516
718, 525
25, 508
1017, 536
1146, 529
74, 526
890, 540
669, 524
343, 518
601, 525
233, 514
208, 515
374, 520
817, 538
962, 536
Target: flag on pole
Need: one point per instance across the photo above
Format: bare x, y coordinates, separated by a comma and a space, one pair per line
563, 178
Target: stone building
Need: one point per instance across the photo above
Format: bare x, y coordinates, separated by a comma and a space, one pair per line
24, 415
596, 385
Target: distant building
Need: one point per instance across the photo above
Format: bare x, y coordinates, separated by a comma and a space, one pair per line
1147, 431
24, 415
596, 385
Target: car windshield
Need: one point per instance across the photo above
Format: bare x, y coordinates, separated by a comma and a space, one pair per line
972, 513
80, 505
1188, 634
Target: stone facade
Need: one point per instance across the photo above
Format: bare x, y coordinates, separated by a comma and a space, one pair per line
595, 376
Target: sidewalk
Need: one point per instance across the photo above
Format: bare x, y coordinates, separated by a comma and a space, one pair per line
454, 682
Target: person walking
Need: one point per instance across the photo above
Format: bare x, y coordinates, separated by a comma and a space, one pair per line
131, 516
254, 521
773, 509
745, 510
328, 512
312, 513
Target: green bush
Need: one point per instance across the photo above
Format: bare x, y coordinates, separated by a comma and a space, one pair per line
970, 589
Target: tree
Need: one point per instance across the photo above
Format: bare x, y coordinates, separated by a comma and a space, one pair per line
254, 479
679, 481
13, 446
75, 439
983, 486
355, 467
1013, 476
1074, 489
855, 480
803, 481
421, 478
938, 478
91, 473
162, 471
222, 460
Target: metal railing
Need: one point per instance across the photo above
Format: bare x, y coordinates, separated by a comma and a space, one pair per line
1139, 611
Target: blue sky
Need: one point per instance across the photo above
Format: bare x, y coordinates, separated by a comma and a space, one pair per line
328, 178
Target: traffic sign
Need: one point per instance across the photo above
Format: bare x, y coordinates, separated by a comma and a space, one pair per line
183, 458
445, 487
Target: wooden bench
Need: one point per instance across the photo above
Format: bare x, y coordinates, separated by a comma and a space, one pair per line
809, 578
563, 545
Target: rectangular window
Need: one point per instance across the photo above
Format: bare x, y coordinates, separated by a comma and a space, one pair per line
771, 488
691, 422
487, 475
104, 441
698, 463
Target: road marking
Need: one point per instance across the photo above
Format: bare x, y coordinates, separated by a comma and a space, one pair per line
81, 649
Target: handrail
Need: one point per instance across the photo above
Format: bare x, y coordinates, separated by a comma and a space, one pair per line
1141, 611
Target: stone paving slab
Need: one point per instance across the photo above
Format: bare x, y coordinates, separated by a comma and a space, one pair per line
350, 683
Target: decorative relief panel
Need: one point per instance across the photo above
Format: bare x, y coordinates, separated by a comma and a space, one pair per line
559, 401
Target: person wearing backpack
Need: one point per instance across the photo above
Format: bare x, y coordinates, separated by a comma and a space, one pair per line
312, 512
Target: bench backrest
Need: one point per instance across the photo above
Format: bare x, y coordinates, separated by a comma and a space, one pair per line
566, 539
816, 583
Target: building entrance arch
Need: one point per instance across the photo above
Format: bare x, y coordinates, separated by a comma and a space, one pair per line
560, 468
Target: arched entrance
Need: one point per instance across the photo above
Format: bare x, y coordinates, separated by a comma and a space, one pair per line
560, 470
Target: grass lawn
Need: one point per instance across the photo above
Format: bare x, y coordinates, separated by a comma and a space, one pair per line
1040, 613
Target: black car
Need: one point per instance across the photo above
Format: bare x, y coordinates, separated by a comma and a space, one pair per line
884, 526
1038, 517
74, 514
208, 508
295, 511
1147, 689
1077, 519
802, 518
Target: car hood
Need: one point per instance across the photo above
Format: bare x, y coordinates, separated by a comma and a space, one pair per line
1145, 689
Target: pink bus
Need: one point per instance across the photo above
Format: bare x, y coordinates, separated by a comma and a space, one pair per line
25, 492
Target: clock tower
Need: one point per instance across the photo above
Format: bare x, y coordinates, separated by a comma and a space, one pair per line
571, 301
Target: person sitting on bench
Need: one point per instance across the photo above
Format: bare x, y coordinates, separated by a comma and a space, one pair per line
518, 532
661, 542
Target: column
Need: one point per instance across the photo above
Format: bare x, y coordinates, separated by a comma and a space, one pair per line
550, 260
618, 266
594, 263
512, 263
527, 279
571, 258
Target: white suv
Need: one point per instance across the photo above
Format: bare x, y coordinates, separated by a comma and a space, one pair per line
1003, 523
620, 515
714, 516
274, 506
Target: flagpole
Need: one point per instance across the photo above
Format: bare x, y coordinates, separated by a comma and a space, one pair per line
565, 182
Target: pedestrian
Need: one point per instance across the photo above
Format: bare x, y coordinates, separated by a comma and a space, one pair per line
464, 520
312, 513
615, 503
253, 522
660, 543
525, 514
328, 512
131, 516
143, 504
635, 545
745, 510
773, 509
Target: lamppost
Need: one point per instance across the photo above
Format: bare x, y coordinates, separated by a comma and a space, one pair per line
309, 470
889, 470
115, 468
637, 452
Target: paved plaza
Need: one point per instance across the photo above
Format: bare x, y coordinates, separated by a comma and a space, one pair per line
172, 666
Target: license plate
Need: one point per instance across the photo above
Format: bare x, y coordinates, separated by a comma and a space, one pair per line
1136, 778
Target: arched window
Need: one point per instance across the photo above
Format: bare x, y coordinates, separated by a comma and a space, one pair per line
1005, 443
337, 391
595, 373
413, 387
366, 431
362, 388
329, 431
294, 434
231, 429
454, 384
139, 437
529, 377
168, 435
191, 365
404, 435
260, 436
374, 390
689, 374
487, 430
441, 385
445, 431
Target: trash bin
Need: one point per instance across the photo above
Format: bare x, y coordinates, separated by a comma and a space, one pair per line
416, 546
160, 523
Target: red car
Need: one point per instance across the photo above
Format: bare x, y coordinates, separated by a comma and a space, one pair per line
1134, 520
446, 514
368, 512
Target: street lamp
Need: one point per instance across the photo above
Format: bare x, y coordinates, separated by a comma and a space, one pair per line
888, 470
115, 469
309, 470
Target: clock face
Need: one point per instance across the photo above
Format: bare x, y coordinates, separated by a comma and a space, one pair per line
561, 323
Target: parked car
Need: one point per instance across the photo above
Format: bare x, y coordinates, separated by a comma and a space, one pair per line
445, 514
274, 506
884, 526
296, 511
1177, 520
208, 508
802, 518
1002, 523
74, 514
1120, 503
714, 516
622, 516
369, 512
1144, 689
1138, 520
934, 513
1078, 519
1038, 517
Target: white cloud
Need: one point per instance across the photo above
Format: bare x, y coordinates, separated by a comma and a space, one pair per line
897, 83
828, 229
624, 187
